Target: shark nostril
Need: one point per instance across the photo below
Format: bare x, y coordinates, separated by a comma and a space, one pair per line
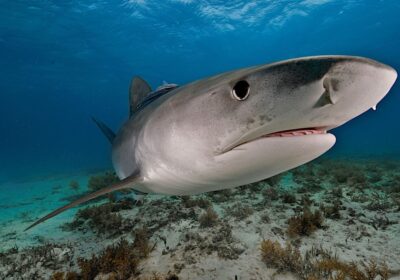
334, 84
330, 84
325, 84
328, 95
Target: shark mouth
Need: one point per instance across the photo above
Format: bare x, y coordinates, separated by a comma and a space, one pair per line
283, 133
297, 132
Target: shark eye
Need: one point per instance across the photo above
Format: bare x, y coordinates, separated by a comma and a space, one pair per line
241, 90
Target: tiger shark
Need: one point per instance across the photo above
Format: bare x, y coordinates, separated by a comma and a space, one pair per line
238, 127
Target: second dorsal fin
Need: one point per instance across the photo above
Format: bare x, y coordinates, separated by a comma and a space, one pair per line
138, 90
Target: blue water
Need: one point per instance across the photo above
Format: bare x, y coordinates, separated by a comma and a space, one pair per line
64, 61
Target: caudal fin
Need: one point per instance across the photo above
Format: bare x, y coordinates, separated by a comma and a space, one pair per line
128, 182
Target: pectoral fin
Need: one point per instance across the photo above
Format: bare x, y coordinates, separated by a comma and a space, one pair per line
126, 183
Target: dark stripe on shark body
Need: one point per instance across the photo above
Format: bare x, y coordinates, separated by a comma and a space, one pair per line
291, 72
292, 75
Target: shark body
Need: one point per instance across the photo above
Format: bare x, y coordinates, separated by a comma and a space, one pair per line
238, 127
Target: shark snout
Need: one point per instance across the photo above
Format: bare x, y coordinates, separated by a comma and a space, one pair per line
350, 87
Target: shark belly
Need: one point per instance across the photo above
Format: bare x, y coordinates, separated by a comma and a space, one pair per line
251, 162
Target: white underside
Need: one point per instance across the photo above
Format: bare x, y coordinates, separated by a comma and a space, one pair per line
250, 162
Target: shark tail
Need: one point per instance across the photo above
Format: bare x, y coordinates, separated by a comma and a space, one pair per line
128, 182
105, 129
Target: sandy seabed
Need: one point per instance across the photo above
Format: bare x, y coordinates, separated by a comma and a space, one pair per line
216, 235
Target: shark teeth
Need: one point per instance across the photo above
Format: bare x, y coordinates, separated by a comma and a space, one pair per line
296, 132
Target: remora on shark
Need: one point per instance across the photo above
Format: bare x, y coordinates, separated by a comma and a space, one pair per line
238, 127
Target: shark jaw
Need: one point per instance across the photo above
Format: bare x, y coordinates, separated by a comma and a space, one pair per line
267, 156
279, 134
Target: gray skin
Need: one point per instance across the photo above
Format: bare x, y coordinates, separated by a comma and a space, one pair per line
177, 142
199, 137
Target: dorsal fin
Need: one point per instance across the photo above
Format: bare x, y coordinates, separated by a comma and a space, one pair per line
138, 90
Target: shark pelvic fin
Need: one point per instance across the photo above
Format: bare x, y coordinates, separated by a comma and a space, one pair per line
128, 182
138, 90
105, 129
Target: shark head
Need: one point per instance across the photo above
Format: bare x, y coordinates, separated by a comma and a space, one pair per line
246, 125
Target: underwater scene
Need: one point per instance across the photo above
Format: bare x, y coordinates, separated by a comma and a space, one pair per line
200, 139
